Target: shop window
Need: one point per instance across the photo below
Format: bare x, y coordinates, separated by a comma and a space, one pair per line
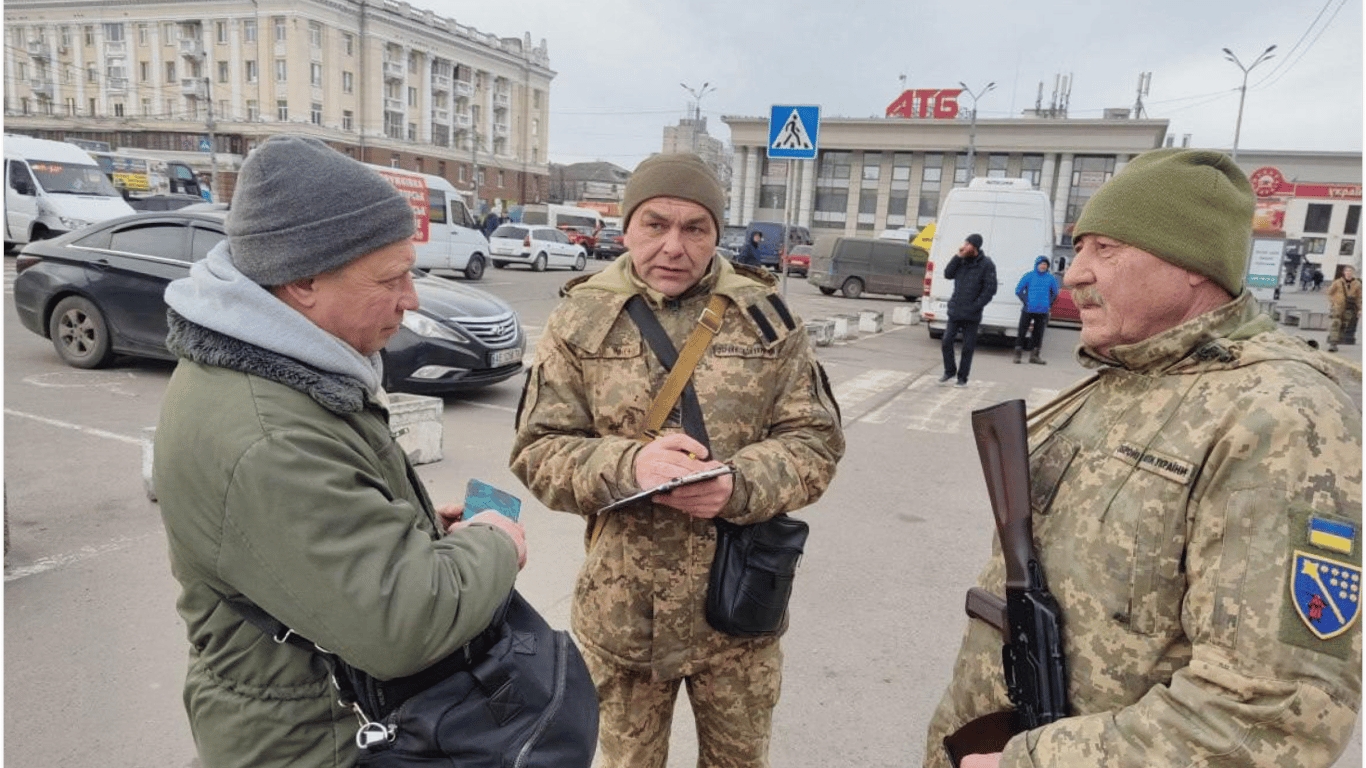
1316, 218
1353, 220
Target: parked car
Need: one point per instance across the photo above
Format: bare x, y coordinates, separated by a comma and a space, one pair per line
770, 250
166, 202
611, 244
581, 236
97, 293
1064, 312
854, 265
733, 237
798, 262
536, 246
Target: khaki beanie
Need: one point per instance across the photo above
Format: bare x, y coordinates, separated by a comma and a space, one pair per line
1189, 207
684, 176
302, 208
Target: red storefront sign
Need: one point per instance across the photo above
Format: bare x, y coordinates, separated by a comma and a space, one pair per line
938, 103
1269, 182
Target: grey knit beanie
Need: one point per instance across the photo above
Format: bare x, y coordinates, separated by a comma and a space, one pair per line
302, 208
682, 175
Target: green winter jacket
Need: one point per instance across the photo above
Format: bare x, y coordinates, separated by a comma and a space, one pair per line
1175, 496
281, 484
767, 408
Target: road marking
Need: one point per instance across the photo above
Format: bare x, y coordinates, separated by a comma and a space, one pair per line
855, 392
79, 428
491, 406
44, 564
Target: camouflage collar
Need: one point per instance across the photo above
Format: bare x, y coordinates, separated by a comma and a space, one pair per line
1207, 338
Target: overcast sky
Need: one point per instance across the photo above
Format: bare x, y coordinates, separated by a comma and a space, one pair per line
619, 63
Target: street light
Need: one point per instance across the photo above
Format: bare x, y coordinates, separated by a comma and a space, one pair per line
697, 94
972, 131
1238, 129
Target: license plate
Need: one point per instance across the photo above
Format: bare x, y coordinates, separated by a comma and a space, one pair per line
501, 357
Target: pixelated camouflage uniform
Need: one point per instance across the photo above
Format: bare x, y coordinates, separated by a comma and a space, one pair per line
1169, 492
638, 601
1344, 307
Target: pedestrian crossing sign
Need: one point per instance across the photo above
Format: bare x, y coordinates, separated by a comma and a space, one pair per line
793, 131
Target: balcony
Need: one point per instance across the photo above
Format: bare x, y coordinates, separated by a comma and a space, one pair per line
460, 120
441, 83
501, 100
115, 48
116, 85
42, 89
463, 88
192, 48
192, 86
37, 49
442, 116
394, 70
393, 105
500, 129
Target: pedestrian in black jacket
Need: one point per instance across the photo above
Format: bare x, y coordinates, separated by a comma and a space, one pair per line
974, 283
749, 254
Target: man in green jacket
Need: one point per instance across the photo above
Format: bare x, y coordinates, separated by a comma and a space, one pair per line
279, 482
1197, 505
767, 409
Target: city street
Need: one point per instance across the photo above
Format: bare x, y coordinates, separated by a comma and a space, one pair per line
95, 652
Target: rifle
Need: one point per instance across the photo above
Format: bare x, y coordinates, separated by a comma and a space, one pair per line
1028, 617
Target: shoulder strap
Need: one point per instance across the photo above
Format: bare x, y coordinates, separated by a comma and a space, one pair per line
679, 364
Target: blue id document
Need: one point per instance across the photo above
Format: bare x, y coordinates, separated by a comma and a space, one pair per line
480, 496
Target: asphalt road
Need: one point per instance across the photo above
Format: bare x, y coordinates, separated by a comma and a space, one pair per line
95, 652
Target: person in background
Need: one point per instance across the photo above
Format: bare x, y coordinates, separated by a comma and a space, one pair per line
1197, 505
279, 482
766, 409
974, 284
749, 253
1037, 290
1344, 308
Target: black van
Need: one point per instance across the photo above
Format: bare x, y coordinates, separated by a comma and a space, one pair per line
773, 234
854, 265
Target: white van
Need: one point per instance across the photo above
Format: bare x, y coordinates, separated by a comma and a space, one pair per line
1016, 224
447, 236
52, 187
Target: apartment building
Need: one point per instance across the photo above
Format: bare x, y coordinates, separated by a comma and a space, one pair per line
385, 81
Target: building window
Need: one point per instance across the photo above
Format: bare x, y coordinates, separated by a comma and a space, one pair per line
249, 30
772, 196
282, 110
412, 131
960, 170
1316, 218
118, 109
71, 111
349, 43
278, 23
142, 35
931, 184
316, 73
1348, 247
315, 34
1315, 244
88, 32
872, 168
1031, 168
996, 166
170, 73
348, 82
251, 72
220, 32
1353, 220
168, 33
92, 74
348, 120
253, 110
222, 71
113, 33
1089, 172
412, 97
144, 71
281, 71
315, 114
146, 107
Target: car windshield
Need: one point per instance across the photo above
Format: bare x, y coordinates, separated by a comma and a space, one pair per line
72, 179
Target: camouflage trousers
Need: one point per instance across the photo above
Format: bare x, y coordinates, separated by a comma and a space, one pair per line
1342, 328
732, 702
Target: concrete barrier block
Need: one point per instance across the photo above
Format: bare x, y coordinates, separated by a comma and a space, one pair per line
415, 422
846, 326
148, 434
906, 316
870, 321
1313, 321
821, 332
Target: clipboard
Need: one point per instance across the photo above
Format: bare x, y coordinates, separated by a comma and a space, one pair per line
677, 482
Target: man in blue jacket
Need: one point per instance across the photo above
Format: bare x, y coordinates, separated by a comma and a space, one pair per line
1037, 289
974, 283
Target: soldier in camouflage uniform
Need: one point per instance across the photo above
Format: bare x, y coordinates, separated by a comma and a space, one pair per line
1197, 505
768, 410
1344, 306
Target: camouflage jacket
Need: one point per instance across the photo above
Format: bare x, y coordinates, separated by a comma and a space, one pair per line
1193, 502
768, 410
1343, 294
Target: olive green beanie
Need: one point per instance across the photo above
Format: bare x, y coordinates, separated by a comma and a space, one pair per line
1189, 207
682, 175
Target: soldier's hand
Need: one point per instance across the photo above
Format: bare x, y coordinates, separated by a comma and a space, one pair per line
675, 455
510, 527
705, 499
981, 761
450, 513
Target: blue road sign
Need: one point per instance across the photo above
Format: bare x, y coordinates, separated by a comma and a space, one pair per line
793, 131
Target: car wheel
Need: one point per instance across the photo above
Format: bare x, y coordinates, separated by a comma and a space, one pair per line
79, 333
936, 334
499, 264
852, 288
827, 291
580, 262
475, 269
539, 264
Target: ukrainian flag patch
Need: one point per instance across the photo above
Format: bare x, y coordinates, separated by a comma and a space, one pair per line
1332, 535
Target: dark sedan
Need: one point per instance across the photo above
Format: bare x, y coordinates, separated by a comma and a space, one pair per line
98, 292
611, 244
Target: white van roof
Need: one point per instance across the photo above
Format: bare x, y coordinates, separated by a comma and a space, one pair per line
983, 182
30, 148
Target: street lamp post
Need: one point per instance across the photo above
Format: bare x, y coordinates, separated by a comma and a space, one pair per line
972, 131
1238, 128
697, 94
